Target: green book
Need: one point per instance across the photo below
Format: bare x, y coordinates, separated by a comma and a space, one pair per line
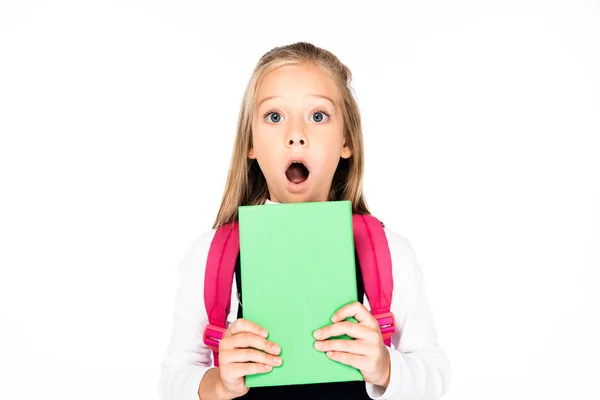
297, 269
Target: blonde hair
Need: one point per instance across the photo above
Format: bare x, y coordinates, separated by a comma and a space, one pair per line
246, 184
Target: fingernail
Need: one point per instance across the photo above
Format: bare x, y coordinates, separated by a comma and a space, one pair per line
278, 360
276, 348
334, 318
264, 333
318, 345
317, 333
268, 367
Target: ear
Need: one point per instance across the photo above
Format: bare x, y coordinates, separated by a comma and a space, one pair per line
346, 152
251, 154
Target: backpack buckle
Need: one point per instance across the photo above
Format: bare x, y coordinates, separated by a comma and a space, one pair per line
212, 337
387, 324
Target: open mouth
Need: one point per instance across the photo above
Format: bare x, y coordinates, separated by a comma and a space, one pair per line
297, 172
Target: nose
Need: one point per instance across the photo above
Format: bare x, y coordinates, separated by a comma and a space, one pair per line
296, 138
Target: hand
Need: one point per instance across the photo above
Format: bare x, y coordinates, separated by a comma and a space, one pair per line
239, 355
367, 352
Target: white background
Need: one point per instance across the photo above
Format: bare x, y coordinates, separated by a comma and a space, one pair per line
482, 130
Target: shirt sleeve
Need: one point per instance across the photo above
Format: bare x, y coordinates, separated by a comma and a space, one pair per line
187, 358
419, 367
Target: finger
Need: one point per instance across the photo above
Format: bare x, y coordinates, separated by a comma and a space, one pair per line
357, 361
243, 325
245, 340
359, 347
358, 311
248, 355
351, 329
239, 370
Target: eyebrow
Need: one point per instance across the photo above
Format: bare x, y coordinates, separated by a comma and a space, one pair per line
311, 95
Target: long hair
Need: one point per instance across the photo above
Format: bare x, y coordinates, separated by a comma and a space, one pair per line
246, 184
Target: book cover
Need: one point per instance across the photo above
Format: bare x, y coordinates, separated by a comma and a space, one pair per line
297, 269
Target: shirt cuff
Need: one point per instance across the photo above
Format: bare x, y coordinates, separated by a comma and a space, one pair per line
195, 378
379, 392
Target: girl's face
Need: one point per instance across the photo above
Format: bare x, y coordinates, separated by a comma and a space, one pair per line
298, 133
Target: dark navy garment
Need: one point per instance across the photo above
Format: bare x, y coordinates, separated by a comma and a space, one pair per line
337, 390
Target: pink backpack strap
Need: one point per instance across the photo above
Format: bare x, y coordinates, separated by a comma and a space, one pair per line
218, 278
374, 258
375, 262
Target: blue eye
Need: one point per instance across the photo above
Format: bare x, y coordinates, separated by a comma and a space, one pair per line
276, 117
320, 115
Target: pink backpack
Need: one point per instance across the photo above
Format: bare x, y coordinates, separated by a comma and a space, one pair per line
373, 256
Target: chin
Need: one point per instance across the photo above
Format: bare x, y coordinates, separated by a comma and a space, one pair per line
305, 197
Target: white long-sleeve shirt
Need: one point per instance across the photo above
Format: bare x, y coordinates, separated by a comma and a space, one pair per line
419, 370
